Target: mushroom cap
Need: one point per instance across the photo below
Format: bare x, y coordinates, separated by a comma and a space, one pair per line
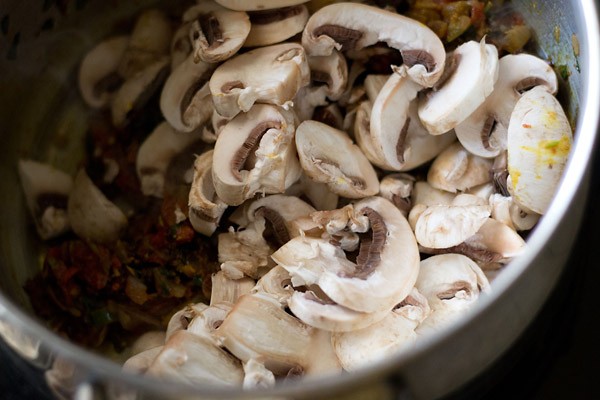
156, 153
269, 130
255, 5
275, 25
466, 89
216, 32
347, 26
455, 169
332, 70
484, 132
97, 72
328, 155
92, 215
271, 75
538, 145
185, 100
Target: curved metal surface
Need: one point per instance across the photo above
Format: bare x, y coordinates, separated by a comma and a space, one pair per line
452, 357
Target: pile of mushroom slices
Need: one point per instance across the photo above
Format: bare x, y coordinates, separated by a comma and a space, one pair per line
335, 256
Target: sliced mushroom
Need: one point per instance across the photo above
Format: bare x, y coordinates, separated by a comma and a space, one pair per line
149, 42
317, 193
275, 25
205, 207
451, 283
330, 70
92, 215
147, 341
185, 101
352, 26
331, 115
505, 210
484, 132
181, 45
275, 283
216, 32
455, 169
255, 5
328, 155
255, 153
493, 242
307, 99
206, 322
470, 83
135, 92
538, 145
98, 78
256, 375
397, 188
140, 362
189, 358
228, 290
46, 191
244, 253
181, 319
394, 333
271, 75
424, 193
155, 155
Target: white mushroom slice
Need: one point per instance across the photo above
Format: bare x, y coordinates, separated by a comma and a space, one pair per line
227, 290
506, 211
317, 193
328, 155
244, 253
255, 153
397, 188
277, 283
483, 133
206, 322
149, 42
255, 5
256, 375
140, 362
451, 283
216, 32
307, 99
91, 214
181, 319
147, 341
46, 191
475, 70
136, 91
327, 315
455, 169
181, 45
258, 328
98, 78
468, 199
394, 333
155, 155
271, 75
331, 70
362, 133
484, 191
189, 358
414, 215
440, 227
205, 207
275, 25
494, 242
326, 361
185, 100
539, 141
373, 85
351, 26
424, 193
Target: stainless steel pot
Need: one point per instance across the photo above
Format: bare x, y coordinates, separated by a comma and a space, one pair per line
40, 114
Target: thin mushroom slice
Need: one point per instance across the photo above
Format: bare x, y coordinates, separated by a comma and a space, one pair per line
330, 70
255, 153
98, 78
156, 154
149, 42
393, 334
538, 145
397, 188
316, 193
424, 193
185, 100
352, 26
182, 318
484, 132
255, 5
189, 358
216, 32
455, 169
206, 322
205, 207
244, 253
140, 362
256, 375
133, 95
271, 75
470, 83
505, 210
451, 283
328, 155
181, 45
276, 283
46, 191
275, 25
92, 215
227, 290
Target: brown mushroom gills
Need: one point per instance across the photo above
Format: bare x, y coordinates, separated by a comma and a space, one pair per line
371, 245
250, 145
265, 17
346, 37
